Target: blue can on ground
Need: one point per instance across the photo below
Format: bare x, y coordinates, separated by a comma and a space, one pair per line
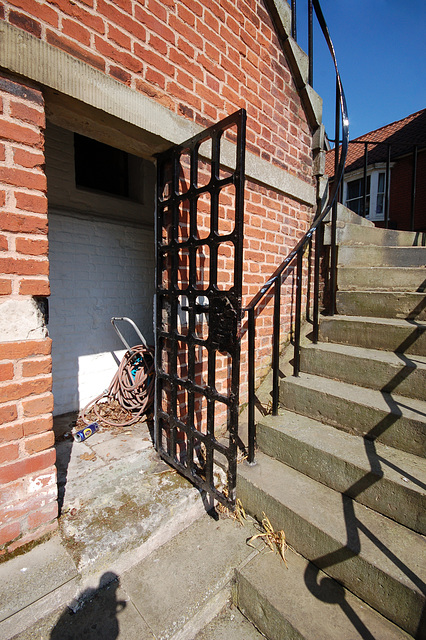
85, 433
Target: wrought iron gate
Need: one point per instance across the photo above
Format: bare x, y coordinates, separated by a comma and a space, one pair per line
199, 240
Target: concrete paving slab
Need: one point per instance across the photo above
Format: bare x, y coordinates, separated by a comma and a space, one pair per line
45, 568
176, 582
107, 615
229, 623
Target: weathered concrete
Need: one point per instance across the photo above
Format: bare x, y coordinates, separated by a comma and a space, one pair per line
383, 304
302, 602
377, 559
375, 256
349, 233
381, 370
392, 420
382, 278
388, 480
21, 320
230, 624
388, 334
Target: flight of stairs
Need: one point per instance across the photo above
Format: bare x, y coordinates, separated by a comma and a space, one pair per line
341, 469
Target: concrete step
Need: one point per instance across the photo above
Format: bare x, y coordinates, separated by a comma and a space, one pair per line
382, 304
374, 256
301, 602
230, 624
388, 334
377, 559
353, 234
387, 480
391, 419
382, 279
347, 216
381, 370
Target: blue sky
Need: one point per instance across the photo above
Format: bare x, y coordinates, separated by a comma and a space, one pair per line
381, 52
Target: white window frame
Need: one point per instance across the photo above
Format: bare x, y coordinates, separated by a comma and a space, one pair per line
373, 171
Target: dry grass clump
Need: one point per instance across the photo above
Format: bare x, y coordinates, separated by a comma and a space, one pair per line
274, 539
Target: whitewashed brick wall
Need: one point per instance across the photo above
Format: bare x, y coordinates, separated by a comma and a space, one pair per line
97, 270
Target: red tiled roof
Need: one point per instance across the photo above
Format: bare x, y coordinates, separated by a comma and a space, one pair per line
402, 135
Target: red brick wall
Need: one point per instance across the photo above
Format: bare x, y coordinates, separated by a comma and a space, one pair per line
27, 472
201, 59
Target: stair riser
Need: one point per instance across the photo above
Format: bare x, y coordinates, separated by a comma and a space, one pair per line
373, 256
391, 598
381, 278
405, 380
259, 611
355, 234
381, 304
396, 431
410, 339
368, 488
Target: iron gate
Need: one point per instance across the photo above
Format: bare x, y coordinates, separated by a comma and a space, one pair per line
199, 240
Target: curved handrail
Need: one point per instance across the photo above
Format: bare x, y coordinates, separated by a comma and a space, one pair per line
276, 278
340, 169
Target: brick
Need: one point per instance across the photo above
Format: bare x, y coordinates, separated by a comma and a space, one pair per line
154, 24
33, 287
72, 9
75, 50
35, 367
6, 371
28, 159
38, 442
27, 113
25, 349
22, 178
39, 533
43, 516
26, 23
25, 267
9, 532
4, 243
37, 406
31, 247
16, 390
8, 413
76, 31
120, 19
120, 74
39, 10
5, 287
9, 452
36, 203
11, 432
20, 468
119, 37
37, 425
21, 91
121, 57
21, 133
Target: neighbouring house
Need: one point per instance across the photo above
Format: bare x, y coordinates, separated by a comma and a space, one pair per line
90, 93
402, 144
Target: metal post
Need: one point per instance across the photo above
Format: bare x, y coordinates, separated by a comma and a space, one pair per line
333, 259
387, 192
310, 44
298, 319
364, 181
318, 245
251, 385
276, 346
293, 20
413, 188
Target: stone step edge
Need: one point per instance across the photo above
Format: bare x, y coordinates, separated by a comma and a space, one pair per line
346, 453
271, 607
399, 600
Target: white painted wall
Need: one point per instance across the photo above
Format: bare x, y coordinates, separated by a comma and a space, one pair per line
99, 267
98, 270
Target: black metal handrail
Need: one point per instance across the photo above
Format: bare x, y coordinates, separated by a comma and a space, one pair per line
278, 277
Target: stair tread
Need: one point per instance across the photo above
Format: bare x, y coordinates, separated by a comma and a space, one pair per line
362, 532
313, 604
379, 476
398, 322
391, 403
388, 357
401, 467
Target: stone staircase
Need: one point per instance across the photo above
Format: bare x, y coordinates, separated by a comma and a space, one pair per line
341, 469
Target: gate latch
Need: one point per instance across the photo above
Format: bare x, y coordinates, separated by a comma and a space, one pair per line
223, 321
